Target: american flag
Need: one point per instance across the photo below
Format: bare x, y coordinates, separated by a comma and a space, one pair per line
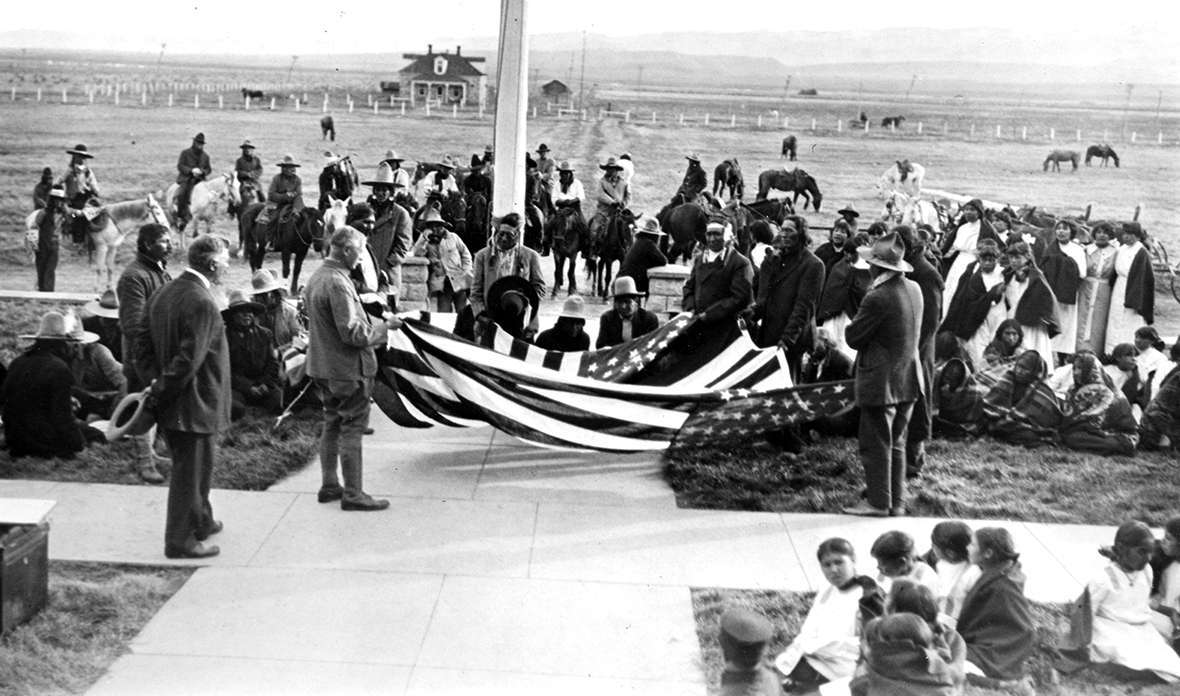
632, 397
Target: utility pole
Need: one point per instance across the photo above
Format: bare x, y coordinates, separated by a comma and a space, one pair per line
1127, 108
911, 88
1159, 102
582, 78
289, 71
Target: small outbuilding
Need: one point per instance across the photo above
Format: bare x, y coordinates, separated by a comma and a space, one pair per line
555, 90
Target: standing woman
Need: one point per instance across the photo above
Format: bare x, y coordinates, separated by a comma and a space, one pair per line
1132, 301
1064, 265
958, 249
1094, 293
844, 288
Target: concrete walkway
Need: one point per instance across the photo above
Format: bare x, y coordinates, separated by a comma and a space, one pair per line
500, 569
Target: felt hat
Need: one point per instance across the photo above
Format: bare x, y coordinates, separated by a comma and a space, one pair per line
330, 158
391, 154
238, 301
543, 148
199, 138
513, 284
611, 163
130, 417
246, 144
56, 326
848, 210
693, 157
565, 166
264, 281
384, 178
488, 148
432, 217
106, 306
57, 192
80, 151
289, 161
447, 162
746, 626
624, 286
887, 252
574, 308
626, 156
651, 226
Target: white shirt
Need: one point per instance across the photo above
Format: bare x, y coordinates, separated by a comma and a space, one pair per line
575, 192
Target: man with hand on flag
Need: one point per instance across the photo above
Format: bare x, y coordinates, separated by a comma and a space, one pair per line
720, 284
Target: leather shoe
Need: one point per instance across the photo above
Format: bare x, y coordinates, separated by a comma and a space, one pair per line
197, 550
865, 510
897, 511
214, 527
369, 431
365, 503
330, 494
148, 473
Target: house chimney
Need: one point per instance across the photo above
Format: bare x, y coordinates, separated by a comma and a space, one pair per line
429, 49
458, 49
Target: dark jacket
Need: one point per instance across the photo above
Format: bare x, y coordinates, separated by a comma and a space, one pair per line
970, 304
392, 235
788, 294
139, 281
1140, 287
1037, 306
249, 169
552, 339
844, 288
41, 194
643, 254
1062, 274
191, 159
252, 359
190, 358
836, 368
285, 190
721, 288
610, 326
695, 181
335, 183
885, 333
38, 417
829, 254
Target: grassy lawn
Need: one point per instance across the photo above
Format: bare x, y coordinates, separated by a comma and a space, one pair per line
786, 610
94, 610
982, 479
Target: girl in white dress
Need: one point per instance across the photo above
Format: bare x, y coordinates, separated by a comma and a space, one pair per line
1122, 320
962, 244
949, 543
1065, 342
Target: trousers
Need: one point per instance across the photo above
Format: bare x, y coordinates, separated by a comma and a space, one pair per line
189, 514
46, 261
346, 415
882, 440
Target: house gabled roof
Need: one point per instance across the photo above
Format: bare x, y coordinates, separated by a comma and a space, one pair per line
555, 85
459, 67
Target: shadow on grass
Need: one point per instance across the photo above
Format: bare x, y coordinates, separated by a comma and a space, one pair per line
981, 479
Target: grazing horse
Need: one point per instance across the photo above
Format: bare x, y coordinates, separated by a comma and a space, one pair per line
611, 245
565, 235
892, 121
203, 203
728, 174
1056, 157
252, 93
796, 181
790, 147
327, 127
295, 237
109, 228
1106, 152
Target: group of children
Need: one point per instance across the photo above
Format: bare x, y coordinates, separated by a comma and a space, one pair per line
924, 626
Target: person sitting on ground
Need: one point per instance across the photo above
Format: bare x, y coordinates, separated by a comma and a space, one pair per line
1153, 363
1060, 380
1098, 417
949, 556
99, 381
1006, 346
1124, 629
826, 362
947, 347
958, 408
743, 636
844, 288
278, 316
568, 334
1165, 590
254, 367
625, 320
101, 316
1021, 408
828, 643
896, 559
38, 410
1124, 375
831, 251
1160, 426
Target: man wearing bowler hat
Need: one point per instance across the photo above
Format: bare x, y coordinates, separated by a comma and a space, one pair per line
191, 168
625, 320
886, 333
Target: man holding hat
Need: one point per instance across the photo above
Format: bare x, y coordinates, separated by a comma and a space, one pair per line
849, 215
38, 414
695, 181
885, 332
192, 167
284, 198
644, 253
392, 233
249, 171
612, 196
253, 363
505, 256
625, 320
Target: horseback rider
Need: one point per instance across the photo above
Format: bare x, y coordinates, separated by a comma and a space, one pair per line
192, 167
393, 162
628, 168
613, 195
249, 171
568, 195
80, 187
441, 181
547, 172
902, 177
333, 181
284, 199
695, 180
478, 181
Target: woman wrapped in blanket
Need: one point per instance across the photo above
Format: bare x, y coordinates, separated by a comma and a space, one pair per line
1021, 408
1098, 417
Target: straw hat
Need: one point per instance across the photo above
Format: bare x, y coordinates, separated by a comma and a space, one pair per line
246, 144
130, 417
565, 166
80, 151
693, 157
264, 281
888, 252
624, 286
289, 161
574, 308
391, 154
432, 217
447, 162
238, 301
56, 326
106, 306
651, 226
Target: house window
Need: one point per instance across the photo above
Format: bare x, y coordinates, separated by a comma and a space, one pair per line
421, 90
438, 91
456, 91
440, 65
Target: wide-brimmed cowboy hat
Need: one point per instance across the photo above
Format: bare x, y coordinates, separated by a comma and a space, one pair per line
447, 162
650, 225
239, 301
611, 163
624, 286
565, 166
887, 252
80, 151
130, 417
543, 148
246, 143
384, 178
330, 158
289, 161
848, 210
513, 284
573, 308
431, 218
107, 305
693, 157
56, 326
264, 281
199, 138
391, 154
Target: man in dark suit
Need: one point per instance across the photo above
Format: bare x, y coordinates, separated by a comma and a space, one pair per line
789, 284
626, 320
190, 395
885, 332
929, 281
720, 283
192, 167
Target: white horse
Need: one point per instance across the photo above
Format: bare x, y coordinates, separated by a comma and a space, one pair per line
908, 210
903, 176
118, 220
207, 197
335, 217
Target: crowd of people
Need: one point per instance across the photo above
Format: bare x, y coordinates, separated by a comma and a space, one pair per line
925, 625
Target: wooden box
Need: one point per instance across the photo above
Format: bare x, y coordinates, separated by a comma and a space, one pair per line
24, 573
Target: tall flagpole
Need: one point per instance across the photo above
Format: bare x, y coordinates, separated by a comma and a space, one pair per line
511, 109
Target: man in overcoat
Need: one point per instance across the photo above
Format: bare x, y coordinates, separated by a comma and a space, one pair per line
191, 168
930, 282
719, 286
789, 284
886, 332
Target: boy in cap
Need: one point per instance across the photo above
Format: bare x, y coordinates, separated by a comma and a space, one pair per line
743, 637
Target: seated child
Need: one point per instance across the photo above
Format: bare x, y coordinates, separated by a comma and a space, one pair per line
828, 643
1165, 566
894, 552
956, 574
1123, 627
743, 637
995, 619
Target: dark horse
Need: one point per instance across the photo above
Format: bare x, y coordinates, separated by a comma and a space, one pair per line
894, 121
743, 214
1056, 157
565, 235
790, 147
728, 174
252, 93
296, 235
327, 127
1106, 152
611, 244
797, 181
479, 222
685, 224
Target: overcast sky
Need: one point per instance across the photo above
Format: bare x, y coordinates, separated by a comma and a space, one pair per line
267, 26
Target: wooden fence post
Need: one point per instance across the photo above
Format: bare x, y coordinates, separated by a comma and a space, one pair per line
247, 107
1105, 135
682, 119
839, 125
1079, 135
732, 120
813, 124
866, 125
116, 98
1052, 134
272, 103
64, 99
1133, 135
38, 94
197, 100
998, 133
220, 102
706, 118
14, 95
786, 122
759, 120
1160, 138
142, 98
653, 117
376, 105
404, 109
1024, 132
350, 105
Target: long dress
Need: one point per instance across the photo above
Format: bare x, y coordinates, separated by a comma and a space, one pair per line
1121, 321
855, 286
829, 637
966, 239
1035, 337
1067, 307
1094, 297
1123, 630
995, 316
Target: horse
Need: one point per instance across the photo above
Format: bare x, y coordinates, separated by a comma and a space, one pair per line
203, 202
790, 147
1106, 152
741, 215
327, 127
913, 211
685, 225
903, 175
611, 244
295, 237
109, 228
728, 174
797, 181
565, 235
252, 94
334, 216
1056, 157
479, 222
892, 121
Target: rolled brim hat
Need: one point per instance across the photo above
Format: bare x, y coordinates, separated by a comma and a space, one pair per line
130, 417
